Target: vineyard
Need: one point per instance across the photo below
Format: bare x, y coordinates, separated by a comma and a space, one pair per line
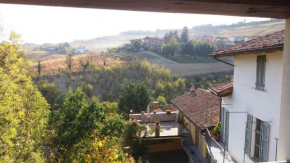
55, 66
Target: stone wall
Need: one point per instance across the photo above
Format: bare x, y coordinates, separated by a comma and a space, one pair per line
159, 116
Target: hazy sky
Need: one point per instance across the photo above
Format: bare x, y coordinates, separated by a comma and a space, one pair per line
39, 24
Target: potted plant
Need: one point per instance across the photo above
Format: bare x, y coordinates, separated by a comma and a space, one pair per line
142, 112
154, 112
168, 112
132, 118
216, 131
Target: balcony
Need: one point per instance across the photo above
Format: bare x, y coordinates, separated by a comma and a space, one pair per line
217, 150
192, 150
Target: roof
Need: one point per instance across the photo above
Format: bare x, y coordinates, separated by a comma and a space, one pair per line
270, 42
200, 106
223, 89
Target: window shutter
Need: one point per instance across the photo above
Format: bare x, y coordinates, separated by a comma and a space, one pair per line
263, 67
265, 127
248, 135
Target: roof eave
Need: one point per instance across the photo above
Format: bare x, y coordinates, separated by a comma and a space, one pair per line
246, 52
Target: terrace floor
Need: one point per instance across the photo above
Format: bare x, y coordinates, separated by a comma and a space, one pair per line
217, 150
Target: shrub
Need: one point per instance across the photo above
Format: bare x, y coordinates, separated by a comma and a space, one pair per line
168, 112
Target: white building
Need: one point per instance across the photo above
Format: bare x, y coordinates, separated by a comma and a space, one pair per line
251, 105
79, 51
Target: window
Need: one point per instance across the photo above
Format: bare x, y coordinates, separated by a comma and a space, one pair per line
260, 76
257, 143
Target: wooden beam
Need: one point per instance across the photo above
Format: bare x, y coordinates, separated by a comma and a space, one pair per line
251, 8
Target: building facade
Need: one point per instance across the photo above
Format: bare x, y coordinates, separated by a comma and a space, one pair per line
250, 115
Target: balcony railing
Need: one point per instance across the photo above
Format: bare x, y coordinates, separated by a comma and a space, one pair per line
217, 149
191, 149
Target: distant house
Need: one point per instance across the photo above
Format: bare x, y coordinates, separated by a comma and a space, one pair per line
199, 110
225, 40
248, 38
207, 38
153, 43
79, 51
237, 39
48, 48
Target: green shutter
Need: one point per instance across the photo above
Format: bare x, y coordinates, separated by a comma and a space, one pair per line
248, 134
260, 74
265, 128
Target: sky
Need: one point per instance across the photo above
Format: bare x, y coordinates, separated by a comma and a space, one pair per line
42, 24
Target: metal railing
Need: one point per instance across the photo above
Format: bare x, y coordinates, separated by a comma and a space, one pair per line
213, 143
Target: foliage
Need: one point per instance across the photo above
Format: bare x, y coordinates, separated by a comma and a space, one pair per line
184, 35
170, 35
170, 90
168, 112
207, 80
133, 96
161, 100
136, 143
23, 110
39, 67
197, 48
51, 93
64, 48
69, 61
217, 128
136, 46
75, 121
107, 150
85, 65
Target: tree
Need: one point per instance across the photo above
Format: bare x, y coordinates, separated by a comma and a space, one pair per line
75, 121
69, 61
133, 96
23, 110
161, 100
136, 46
85, 65
39, 67
184, 35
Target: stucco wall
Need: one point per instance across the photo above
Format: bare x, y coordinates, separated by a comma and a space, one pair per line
284, 139
160, 116
264, 105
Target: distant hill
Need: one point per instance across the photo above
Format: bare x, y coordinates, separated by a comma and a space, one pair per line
238, 29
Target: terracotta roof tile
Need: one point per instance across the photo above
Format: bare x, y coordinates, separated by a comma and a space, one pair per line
170, 107
268, 42
199, 106
223, 89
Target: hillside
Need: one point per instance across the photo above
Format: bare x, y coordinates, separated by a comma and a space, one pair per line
247, 29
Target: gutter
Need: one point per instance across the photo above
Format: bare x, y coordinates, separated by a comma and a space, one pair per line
216, 56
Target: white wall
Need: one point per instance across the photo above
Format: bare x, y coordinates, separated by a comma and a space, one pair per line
264, 105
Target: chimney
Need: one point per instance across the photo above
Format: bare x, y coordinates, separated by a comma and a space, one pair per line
191, 87
155, 105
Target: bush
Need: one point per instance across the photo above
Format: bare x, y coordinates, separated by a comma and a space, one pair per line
168, 112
